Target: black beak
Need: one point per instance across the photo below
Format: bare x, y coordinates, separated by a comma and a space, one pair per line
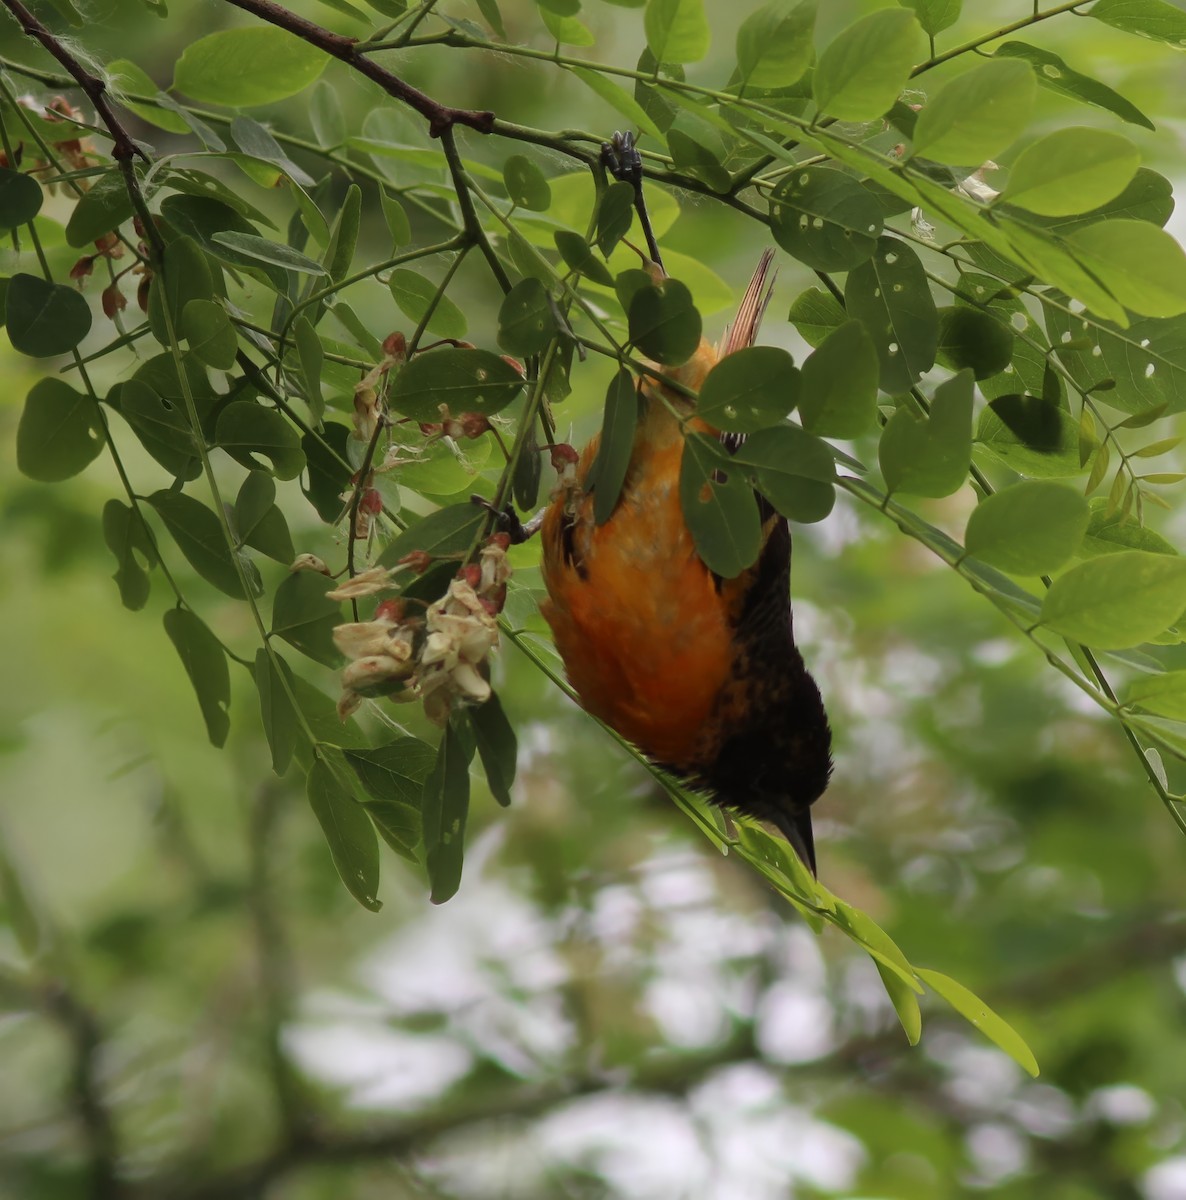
796, 828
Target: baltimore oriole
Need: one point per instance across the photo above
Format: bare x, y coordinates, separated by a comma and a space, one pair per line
701, 673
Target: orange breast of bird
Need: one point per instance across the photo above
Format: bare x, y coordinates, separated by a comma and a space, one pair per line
640, 622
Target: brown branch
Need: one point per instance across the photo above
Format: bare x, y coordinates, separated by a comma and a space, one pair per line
440, 117
125, 150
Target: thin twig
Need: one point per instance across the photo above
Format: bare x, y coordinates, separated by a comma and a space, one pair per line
440, 117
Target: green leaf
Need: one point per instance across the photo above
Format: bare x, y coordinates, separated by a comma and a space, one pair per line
749, 389
838, 384
1141, 265
60, 432
44, 319
664, 323
618, 423
124, 77
415, 296
1111, 532
526, 320
578, 256
246, 429
982, 1017
465, 380
199, 536
1163, 694
241, 68
446, 532
498, 748
394, 776
972, 338
904, 1000
127, 537
275, 254
934, 16
1031, 435
618, 99
1117, 600
698, 149
311, 357
20, 198
930, 456
348, 830
100, 211
185, 276
891, 297
328, 470
325, 115
1154, 19
676, 30
260, 523
162, 427
205, 663
525, 183
825, 219
210, 334
1146, 363
1071, 171
396, 217
305, 618
793, 469
719, 507
976, 115
445, 808
615, 212
815, 314
568, 31
1030, 528
343, 239
1053, 73
276, 710
863, 71
774, 45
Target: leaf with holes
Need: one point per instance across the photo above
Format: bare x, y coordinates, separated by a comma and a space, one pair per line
129, 539
60, 432
525, 183
465, 380
1154, 19
891, 297
825, 219
719, 507
1054, 74
749, 390
205, 663
526, 319
163, 429
246, 429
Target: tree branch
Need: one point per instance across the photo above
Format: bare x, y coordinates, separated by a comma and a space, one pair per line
440, 117
125, 150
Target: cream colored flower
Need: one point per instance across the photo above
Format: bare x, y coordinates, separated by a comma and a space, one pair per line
365, 583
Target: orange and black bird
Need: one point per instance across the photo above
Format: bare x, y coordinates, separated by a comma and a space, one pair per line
701, 673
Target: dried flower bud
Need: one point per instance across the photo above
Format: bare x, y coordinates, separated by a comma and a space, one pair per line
309, 562
84, 267
377, 674
395, 346
365, 583
471, 574
113, 300
371, 502
514, 364
473, 424
390, 610
349, 702
417, 561
142, 292
563, 455
109, 245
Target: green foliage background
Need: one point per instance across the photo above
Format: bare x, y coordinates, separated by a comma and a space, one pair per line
195, 1006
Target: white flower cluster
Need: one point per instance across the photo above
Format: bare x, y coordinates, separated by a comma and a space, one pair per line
439, 658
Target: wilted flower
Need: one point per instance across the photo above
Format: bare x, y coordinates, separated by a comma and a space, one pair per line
309, 562
365, 583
